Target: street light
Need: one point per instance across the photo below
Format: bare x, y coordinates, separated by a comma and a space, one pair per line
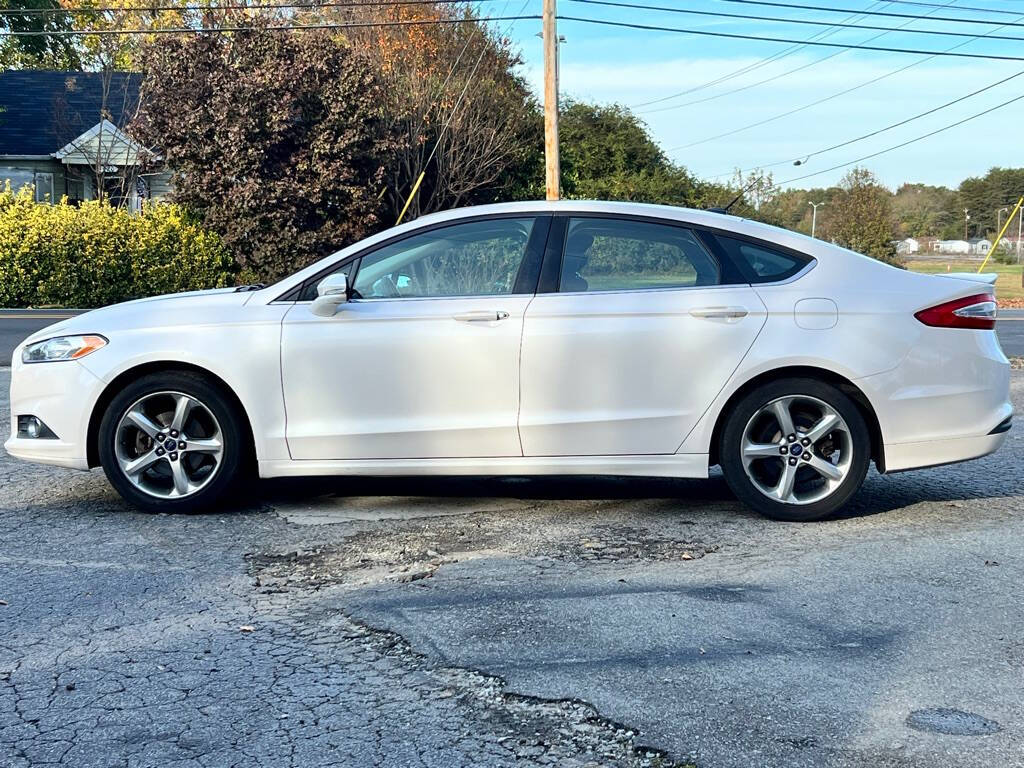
999, 219
814, 216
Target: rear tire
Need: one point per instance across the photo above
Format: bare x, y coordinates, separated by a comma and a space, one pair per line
800, 469
172, 441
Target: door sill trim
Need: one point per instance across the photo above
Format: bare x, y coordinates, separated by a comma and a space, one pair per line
689, 465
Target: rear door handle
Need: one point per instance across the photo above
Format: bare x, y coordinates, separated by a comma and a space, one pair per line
480, 316
728, 314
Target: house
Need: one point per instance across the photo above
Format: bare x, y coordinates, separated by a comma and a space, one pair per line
953, 246
908, 246
979, 246
67, 134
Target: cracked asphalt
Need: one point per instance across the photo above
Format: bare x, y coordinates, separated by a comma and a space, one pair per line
499, 622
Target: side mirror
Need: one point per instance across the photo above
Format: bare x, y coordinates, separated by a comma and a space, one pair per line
332, 292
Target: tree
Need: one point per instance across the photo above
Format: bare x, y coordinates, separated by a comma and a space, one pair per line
276, 140
859, 217
465, 119
607, 154
36, 51
921, 210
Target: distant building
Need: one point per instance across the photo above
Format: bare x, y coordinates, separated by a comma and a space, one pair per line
908, 247
953, 247
66, 134
977, 246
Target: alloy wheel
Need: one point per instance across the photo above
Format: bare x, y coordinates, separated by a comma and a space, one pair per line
169, 445
796, 449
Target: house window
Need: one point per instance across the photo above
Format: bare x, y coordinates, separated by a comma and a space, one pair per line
44, 188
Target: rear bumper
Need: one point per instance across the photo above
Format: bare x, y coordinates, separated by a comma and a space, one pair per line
902, 456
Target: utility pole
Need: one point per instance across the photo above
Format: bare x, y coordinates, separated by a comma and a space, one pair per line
814, 216
551, 169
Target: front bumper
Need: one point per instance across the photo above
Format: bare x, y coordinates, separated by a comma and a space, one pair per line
62, 394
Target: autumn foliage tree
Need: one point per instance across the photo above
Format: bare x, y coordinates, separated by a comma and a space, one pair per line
859, 217
464, 118
277, 141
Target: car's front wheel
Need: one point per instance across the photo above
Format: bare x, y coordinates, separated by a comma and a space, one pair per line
795, 449
171, 442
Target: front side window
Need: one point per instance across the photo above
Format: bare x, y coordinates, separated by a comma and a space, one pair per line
478, 258
625, 255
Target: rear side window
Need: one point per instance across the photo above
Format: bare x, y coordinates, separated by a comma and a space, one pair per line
765, 264
605, 254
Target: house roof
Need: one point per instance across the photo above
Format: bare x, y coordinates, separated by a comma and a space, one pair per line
41, 111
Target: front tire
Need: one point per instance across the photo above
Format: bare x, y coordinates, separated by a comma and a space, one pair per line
172, 442
795, 449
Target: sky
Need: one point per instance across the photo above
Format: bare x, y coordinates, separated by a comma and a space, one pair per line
634, 67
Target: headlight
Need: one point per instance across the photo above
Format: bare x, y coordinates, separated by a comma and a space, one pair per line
62, 348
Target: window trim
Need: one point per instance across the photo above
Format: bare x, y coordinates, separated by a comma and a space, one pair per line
529, 268
711, 239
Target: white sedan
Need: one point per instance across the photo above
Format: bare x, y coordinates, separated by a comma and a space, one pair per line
525, 339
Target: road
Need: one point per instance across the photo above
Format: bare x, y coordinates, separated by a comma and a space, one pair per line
17, 324
570, 622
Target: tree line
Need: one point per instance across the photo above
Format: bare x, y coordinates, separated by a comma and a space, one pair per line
291, 145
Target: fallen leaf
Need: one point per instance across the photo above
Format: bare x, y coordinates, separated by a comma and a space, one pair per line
686, 556
246, 628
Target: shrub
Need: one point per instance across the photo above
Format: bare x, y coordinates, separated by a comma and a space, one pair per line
89, 256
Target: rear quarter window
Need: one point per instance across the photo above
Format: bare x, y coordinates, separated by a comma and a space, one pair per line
763, 263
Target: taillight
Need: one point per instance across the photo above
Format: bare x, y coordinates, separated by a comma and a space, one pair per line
977, 311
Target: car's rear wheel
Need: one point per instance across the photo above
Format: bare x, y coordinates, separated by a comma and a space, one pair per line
171, 442
795, 449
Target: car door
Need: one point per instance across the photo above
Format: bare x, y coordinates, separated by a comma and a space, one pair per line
642, 329
423, 360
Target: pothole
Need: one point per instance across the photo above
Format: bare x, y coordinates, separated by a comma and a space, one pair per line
952, 722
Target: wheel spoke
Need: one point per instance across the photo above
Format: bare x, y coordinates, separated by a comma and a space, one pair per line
142, 421
181, 482
140, 464
784, 489
781, 410
182, 408
753, 451
823, 426
826, 469
211, 445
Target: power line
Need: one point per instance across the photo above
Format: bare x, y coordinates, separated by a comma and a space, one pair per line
891, 14
956, 8
779, 55
281, 28
816, 102
804, 158
228, 7
902, 144
760, 38
746, 17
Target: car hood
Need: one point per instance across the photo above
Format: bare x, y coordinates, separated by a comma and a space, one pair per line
192, 307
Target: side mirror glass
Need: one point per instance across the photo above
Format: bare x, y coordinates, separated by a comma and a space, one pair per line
332, 292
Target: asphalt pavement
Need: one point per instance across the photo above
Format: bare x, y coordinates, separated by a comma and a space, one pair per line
512, 622
17, 324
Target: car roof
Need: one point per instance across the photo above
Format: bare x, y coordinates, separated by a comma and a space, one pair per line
711, 219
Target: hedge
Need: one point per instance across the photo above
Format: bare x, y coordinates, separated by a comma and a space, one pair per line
96, 254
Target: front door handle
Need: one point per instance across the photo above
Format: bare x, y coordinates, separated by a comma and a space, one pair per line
480, 316
728, 314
